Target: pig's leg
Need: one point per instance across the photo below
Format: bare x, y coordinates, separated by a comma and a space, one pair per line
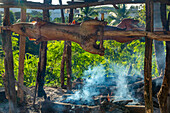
92, 47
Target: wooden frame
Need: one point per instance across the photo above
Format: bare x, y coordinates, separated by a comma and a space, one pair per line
148, 34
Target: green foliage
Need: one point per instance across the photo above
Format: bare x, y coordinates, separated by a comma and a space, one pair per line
86, 14
2, 70
59, 20
54, 56
30, 69
118, 15
142, 16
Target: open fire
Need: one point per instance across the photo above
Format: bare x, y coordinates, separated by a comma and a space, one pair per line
98, 93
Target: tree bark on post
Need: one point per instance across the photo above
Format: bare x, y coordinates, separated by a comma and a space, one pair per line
43, 58
62, 12
163, 96
64, 52
20, 92
148, 59
62, 66
68, 56
9, 64
68, 65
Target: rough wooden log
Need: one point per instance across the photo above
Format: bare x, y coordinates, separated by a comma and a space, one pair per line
148, 59
68, 65
168, 99
8, 61
32, 5
136, 108
43, 60
20, 92
111, 35
62, 66
54, 107
64, 52
35, 5
68, 56
163, 93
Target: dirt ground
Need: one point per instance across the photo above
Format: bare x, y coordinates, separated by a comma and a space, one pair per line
54, 94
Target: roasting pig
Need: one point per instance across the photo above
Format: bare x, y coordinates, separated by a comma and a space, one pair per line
85, 34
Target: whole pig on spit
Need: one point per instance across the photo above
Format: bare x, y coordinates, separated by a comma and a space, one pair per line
85, 34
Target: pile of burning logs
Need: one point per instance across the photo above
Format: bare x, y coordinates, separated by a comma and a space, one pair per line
104, 107
105, 102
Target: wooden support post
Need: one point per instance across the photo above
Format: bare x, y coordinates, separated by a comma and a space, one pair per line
68, 56
163, 96
20, 92
42, 69
68, 65
42, 60
64, 52
163, 93
62, 12
148, 59
62, 66
9, 66
102, 32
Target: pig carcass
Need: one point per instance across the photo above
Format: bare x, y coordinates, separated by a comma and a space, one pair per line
85, 34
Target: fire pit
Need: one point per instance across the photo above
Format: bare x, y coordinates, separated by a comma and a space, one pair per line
97, 95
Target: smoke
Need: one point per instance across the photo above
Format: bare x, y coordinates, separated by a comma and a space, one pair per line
93, 78
96, 76
122, 92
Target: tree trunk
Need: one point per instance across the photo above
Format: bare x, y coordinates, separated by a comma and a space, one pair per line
9, 66
168, 65
163, 96
64, 52
62, 12
68, 65
163, 93
42, 60
148, 59
68, 56
62, 66
20, 92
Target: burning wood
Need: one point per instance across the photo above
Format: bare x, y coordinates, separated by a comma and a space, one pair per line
86, 34
105, 106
